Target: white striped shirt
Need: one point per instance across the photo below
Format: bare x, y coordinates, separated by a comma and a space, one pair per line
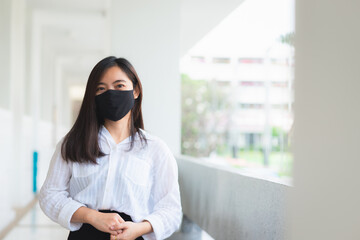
142, 183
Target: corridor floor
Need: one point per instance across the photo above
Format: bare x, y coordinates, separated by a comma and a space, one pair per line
36, 226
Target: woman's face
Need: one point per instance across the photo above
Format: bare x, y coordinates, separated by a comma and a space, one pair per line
114, 78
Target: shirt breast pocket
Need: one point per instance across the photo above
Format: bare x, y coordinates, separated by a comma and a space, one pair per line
137, 171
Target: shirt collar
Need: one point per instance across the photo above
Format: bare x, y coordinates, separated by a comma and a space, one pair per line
110, 140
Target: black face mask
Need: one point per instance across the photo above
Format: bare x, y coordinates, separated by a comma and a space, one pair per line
114, 104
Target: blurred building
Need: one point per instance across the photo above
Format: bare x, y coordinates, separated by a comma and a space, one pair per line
261, 92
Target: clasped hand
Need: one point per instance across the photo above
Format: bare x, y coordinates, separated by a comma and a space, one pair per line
116, 226
126, 231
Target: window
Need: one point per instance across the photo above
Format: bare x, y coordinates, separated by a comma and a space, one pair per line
221, 60
198, 59
251, 60
247, 122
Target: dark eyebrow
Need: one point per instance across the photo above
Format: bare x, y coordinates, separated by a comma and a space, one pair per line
117, 81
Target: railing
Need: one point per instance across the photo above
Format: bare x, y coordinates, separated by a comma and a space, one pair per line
230, 205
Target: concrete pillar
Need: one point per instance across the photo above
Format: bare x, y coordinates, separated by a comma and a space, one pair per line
5, 15
22, 165
147, 33
12, 57
35, 71
325, 201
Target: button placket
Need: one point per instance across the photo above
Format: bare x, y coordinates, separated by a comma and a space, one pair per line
109, 178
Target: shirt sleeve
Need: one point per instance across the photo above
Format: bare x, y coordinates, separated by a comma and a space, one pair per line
167, 212
54, 197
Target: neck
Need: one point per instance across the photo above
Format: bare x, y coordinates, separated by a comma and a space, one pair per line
119, 130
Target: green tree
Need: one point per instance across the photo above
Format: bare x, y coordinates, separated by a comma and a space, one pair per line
288, 38
204, 118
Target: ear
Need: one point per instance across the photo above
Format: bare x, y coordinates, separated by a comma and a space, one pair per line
136, 93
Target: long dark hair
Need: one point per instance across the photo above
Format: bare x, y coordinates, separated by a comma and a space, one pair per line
81, 142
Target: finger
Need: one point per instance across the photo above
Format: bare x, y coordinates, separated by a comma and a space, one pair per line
113, 233
114, 237
125, 225
119, 231
118, 227
120, 219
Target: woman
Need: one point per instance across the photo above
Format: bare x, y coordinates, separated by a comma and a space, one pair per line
109, 178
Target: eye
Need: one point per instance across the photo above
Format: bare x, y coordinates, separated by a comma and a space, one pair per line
120, 85
100, 89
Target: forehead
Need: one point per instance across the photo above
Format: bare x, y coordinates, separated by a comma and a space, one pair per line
112, 74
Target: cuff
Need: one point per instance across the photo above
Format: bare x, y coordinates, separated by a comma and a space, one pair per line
66, 213
157, 226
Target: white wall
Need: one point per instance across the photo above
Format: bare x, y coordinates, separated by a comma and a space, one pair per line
16, 128
11, 107
7, 213
326, 200
147, 33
